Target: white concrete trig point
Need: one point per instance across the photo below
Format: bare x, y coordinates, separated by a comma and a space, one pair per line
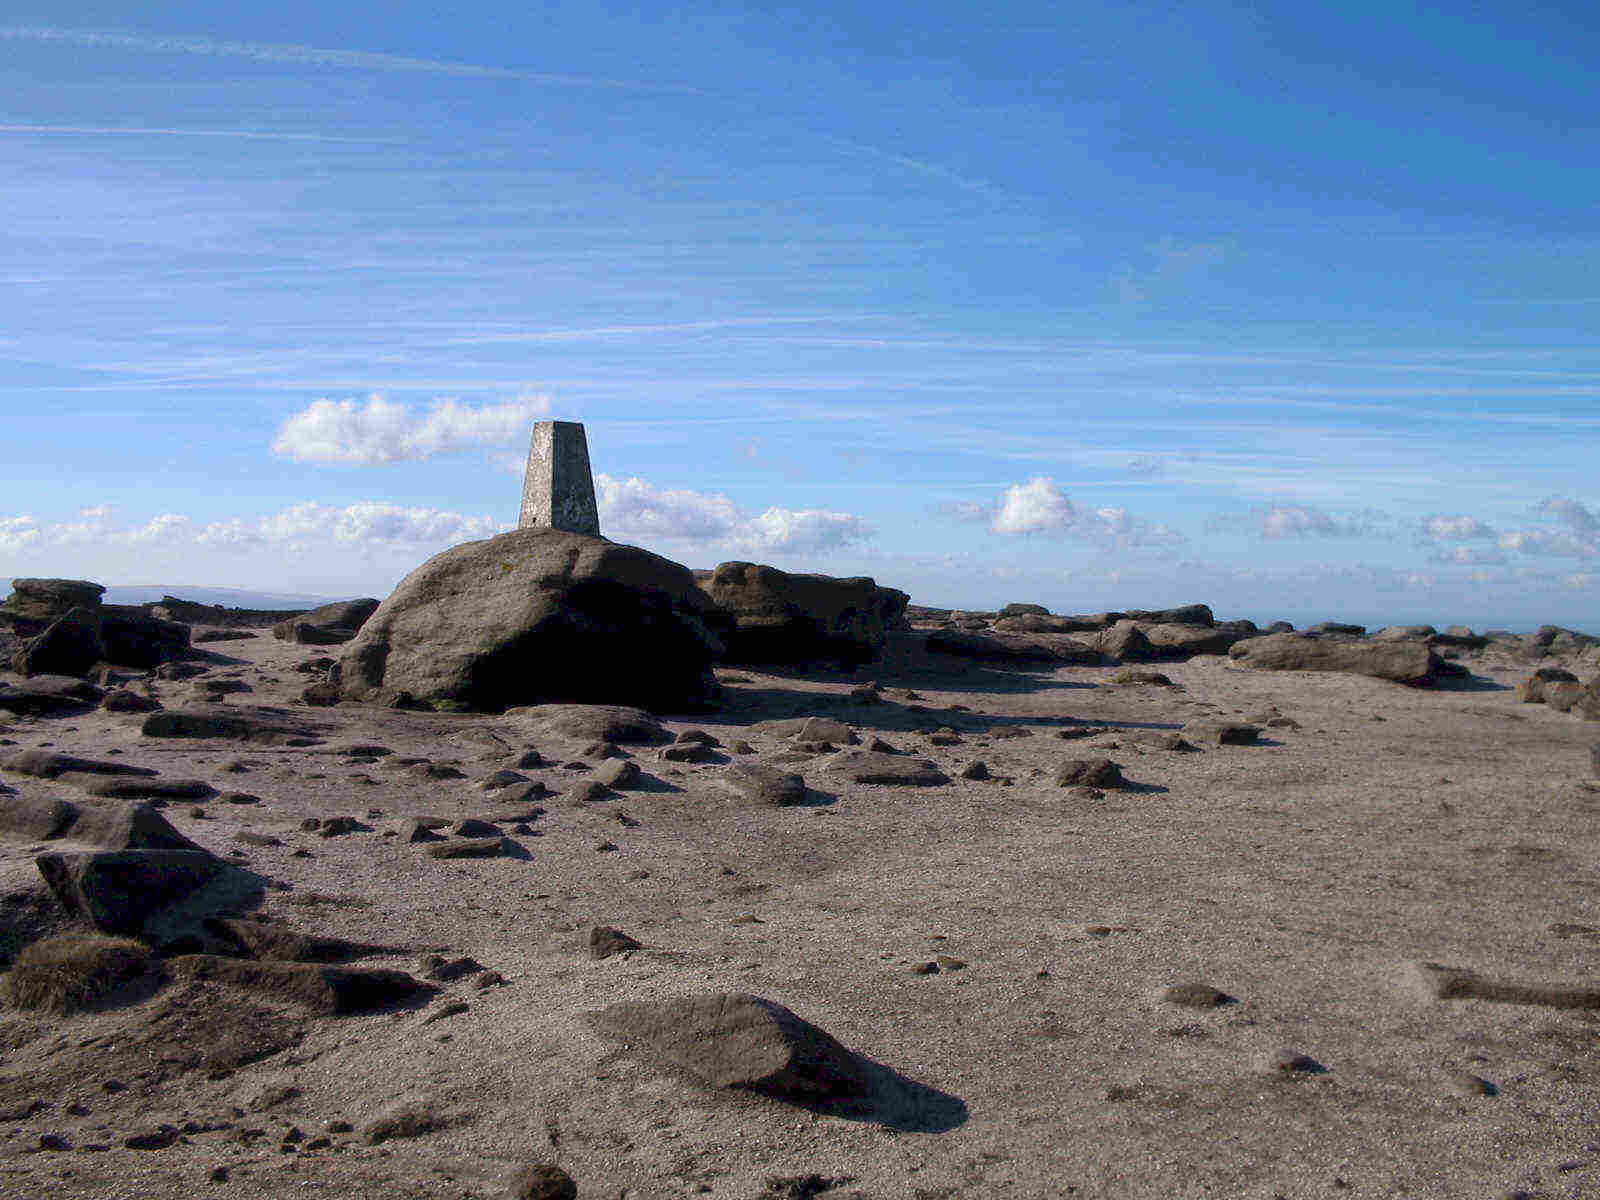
557, 488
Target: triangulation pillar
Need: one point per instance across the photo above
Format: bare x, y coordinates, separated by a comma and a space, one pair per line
557, 488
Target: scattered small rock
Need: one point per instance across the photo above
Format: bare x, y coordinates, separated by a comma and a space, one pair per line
604, 941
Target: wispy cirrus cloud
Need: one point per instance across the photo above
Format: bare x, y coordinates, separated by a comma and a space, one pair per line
314, 56
260, 135
1291, 521
381, 431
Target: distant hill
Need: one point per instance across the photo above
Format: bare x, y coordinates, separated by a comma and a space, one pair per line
224, 597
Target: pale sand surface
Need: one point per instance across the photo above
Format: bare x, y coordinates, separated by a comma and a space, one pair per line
1296, 875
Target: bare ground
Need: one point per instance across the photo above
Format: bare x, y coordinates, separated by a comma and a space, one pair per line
1386, 825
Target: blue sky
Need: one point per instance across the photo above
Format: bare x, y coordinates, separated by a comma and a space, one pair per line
1291, 309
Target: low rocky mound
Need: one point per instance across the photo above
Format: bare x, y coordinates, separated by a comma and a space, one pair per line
782, 618
537, 616
1408, 662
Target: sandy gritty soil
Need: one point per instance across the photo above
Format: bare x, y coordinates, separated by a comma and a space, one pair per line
1383, 825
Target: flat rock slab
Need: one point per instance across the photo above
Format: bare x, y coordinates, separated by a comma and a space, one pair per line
734, 1039
331, 990
110, 826
48, 695
871, 766
45, 764
466, 847
1411, 663
763, 785
137, 787
591, 722
117, 890
270, 726
810, 729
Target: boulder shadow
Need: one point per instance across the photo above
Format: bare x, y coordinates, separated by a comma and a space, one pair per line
646, 782
510, 848
886, 1098
1467, 683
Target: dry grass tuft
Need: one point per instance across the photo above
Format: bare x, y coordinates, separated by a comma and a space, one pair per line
68, 972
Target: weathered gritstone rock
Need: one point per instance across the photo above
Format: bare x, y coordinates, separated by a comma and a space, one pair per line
71, 645
326, 989
810, 729
604, 941
539, 615
117, 891
138, 787
867, 766
736, 1040
777, 617
762, 784
47, 764
1125, 642
270, 726
329, 625
588, 723
109, 826
1410, 663
1089, 772
1222, 733
1012, 647
488, 847
1175, 641
618, 773
1043, 623
46, 599
49, 695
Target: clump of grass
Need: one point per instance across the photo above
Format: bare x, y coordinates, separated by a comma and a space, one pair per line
68, 972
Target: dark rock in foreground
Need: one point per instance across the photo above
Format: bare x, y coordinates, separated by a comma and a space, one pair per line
737, 1040
117, 890
272, 726
539, 615
331, 990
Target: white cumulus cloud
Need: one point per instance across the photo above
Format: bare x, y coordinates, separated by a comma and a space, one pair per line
1454, 528
1038, 506
634, 508
18, 532
383, 431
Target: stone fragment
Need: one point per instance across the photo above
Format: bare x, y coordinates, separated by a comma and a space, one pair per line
778, 617
588, 723
976, 769
604, 941
488, 847
690, 752
866, 766
617, 773
46, 764
1089, 772
409, 1118
270, 726
541, 1181
736, 1040
762, 784
1222, 733
1195, 995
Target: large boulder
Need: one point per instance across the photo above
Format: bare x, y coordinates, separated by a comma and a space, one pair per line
1188, 614
70, 645
1044, 623
1408, 662
782, 618
1180, 641
1126, 642
116, 891
329, 625
44, 600
535, 616
134, 638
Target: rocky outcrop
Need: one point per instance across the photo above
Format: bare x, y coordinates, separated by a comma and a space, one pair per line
70, 645
1407, 662
776, 617
1003, 647
537, 616
116, 891
329, 625
134, 638
44, 600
